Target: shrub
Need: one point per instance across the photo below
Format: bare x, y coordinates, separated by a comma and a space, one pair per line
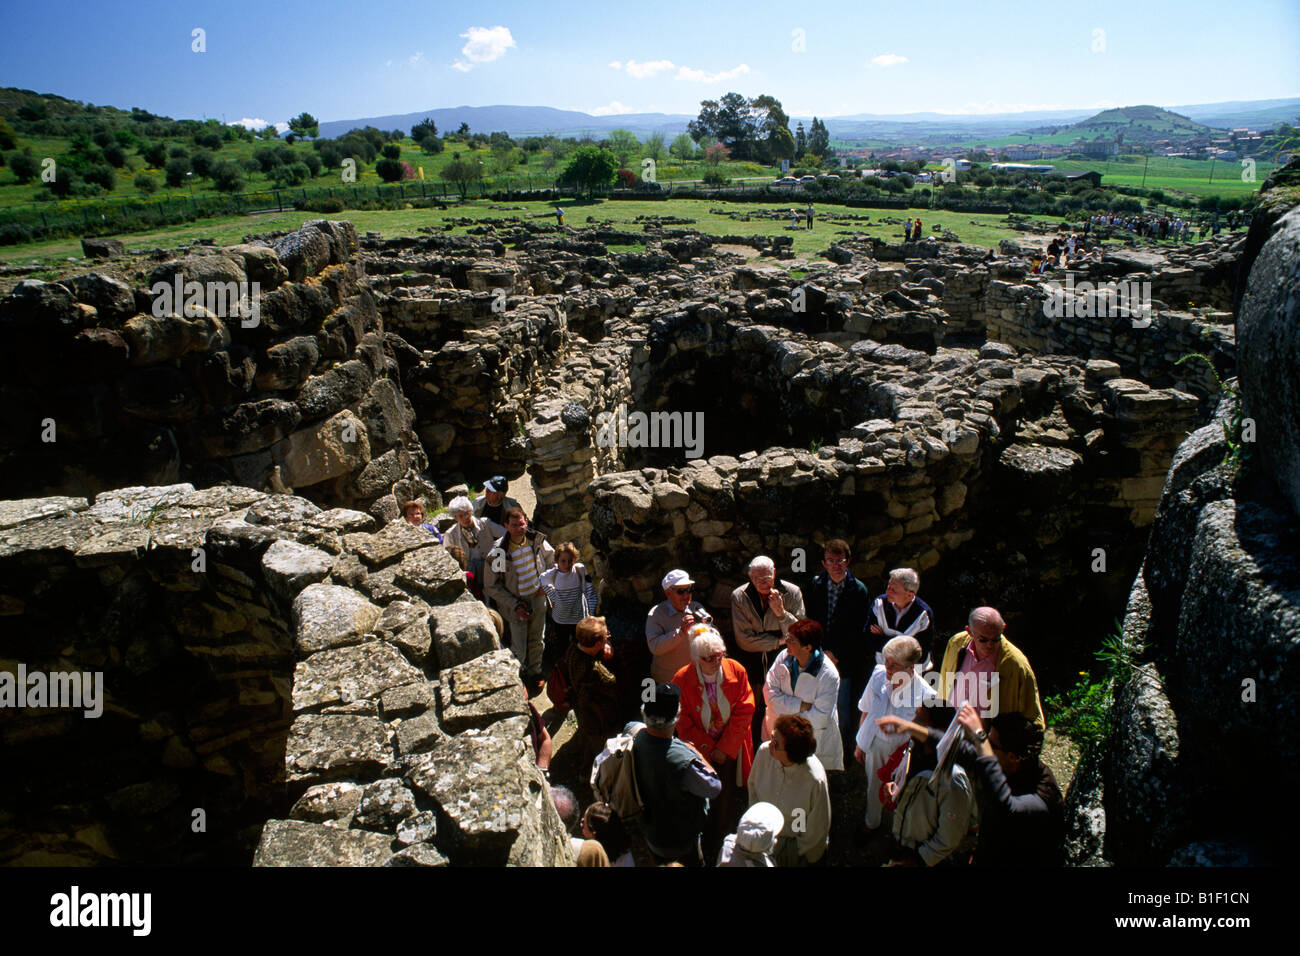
178, 152
202, 162
115, 155
146, 184
175, 170
431, 145
155, 154
330, 205
626, 178
714, 177
209, 140
294, 174
250, 165
392, 151
228, 176
330, 154
24, 165
14, 234
389, 170
101, 174
313, 163
266, 159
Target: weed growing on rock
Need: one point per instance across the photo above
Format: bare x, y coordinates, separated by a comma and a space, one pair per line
1232, 431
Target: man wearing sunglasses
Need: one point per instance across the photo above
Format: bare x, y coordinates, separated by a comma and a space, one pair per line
981, 653
668, 623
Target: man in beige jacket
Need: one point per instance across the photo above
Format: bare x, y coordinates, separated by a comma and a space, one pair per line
761, 614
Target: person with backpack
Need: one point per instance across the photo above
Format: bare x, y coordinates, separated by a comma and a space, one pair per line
591, 688
674, 780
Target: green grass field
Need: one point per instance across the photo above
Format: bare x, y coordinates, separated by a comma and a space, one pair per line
972, 228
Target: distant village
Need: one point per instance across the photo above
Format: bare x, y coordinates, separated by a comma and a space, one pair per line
1234, 144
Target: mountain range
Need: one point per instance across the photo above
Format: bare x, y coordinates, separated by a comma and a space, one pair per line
542, 120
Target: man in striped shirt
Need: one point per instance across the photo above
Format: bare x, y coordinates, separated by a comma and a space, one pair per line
512, 578
900, 612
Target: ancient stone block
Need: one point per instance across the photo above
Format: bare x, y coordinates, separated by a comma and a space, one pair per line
299, 843
325, 616
346, 674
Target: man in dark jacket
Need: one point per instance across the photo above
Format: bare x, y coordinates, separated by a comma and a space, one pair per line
674, 780
839, 602
1021, 812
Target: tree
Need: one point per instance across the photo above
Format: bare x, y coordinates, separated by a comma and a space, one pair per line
202, 162
146, 184
800, 142
304, 124
155, 154
819, 141
24, 165
716, 154
426, 127
624, 145
392, 151
654, 146
228, 176
462, 173
730, 120
462, 130
175, 170
683, 146
589, 168
431, 145
781, 145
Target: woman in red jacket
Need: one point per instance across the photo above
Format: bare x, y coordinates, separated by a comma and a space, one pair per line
716, 713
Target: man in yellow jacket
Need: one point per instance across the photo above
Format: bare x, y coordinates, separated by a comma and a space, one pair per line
980, 651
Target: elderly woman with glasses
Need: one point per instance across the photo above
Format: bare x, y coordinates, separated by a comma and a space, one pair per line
716, 713
473, 536
788, 775
894, 689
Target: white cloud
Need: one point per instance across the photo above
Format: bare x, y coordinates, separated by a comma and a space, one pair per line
485, 45
642, 71
888, 59
611, 109
616, 64
415, 58
256, 123
700, 76
388, 63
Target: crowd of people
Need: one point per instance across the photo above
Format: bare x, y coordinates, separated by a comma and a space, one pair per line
740, 742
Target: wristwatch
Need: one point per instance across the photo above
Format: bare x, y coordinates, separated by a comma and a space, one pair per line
982, 736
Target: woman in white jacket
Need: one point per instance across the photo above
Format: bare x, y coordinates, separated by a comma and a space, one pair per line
802, 680
893, 688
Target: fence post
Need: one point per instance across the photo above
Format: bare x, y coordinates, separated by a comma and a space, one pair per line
279, 204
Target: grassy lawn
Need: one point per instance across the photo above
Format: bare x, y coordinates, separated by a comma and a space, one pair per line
973, 228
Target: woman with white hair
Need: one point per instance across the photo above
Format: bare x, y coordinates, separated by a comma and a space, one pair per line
716, 716
894, 688
473, 536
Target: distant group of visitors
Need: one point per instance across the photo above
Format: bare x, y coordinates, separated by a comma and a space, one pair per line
738, 741
912, 229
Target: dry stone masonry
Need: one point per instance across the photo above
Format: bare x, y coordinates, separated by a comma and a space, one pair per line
212, 523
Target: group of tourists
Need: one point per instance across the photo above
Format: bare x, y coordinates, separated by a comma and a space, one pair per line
912, 229
1158, 228
739, 741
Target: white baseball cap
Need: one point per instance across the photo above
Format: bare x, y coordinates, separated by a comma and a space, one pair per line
676, 577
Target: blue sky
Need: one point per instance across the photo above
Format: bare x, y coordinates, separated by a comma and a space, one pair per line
269, 61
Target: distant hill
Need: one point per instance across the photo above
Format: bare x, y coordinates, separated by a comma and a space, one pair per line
1138, 124
519, 121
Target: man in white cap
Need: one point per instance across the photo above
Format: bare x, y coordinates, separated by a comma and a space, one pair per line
493, 503
668, 623
754, 839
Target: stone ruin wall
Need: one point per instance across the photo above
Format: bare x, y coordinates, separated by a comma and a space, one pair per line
308, 670
926, 443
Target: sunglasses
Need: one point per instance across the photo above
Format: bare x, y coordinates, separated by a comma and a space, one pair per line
989, 640
686, 590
